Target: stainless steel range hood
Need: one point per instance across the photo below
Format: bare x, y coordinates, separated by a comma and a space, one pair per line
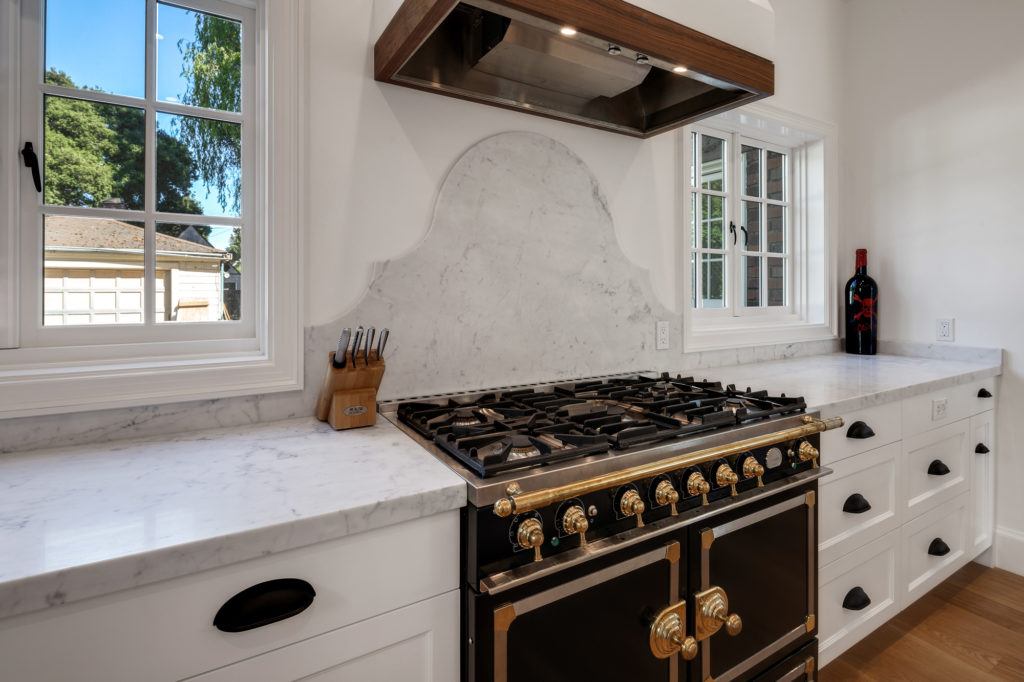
601, 63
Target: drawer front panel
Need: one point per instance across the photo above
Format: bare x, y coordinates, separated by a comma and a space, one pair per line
874, 571
863, 430
982, 451
935, 467
961, 402
846, 523
934, 547
125, 636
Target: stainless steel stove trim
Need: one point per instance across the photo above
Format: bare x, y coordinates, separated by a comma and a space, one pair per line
483, 492
507, 580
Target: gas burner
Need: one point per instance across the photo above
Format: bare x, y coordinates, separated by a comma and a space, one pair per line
529, 427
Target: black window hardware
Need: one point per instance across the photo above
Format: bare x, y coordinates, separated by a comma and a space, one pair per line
32, 161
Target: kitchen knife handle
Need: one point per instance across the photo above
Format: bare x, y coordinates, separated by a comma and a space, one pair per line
369, 344
384, 333
355, 344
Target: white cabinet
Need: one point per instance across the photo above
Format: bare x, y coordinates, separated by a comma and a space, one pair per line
935, 467
165, 631
417, 643
982, 451
924, 470
859, 502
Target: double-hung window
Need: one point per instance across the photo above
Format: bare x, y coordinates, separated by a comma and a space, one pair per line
145, 221
740, 213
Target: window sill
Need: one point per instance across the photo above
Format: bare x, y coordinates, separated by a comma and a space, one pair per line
56, 388
745, 333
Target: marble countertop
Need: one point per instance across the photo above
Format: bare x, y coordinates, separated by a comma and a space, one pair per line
839, 382
84, 521
90, 520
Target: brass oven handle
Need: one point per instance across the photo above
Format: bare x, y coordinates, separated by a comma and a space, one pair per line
713, 613
668, 634
531, 501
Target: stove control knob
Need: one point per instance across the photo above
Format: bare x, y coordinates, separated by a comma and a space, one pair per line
665, 493
725, 476
531, 534
631, 504
574, 520
808, 453
696, 484
753, 469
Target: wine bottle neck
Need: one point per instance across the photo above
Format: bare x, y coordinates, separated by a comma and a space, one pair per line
862, 262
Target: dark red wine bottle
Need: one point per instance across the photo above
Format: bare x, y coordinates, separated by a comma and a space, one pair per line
862, 310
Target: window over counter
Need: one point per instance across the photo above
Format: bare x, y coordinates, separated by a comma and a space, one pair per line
759, 209
142, 215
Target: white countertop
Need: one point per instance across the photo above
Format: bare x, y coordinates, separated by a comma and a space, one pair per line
843, 383
90, 520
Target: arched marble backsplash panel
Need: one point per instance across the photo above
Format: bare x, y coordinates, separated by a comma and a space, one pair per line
520, 279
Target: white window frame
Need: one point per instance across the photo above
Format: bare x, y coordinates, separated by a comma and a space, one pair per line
810, 312
60, 369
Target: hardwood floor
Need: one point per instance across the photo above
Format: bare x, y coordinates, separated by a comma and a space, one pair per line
970, 627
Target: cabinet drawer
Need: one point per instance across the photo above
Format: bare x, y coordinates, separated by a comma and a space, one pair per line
934, 547
165, 631
961, 402
982, 452
935, 467
417, 642
862, 430
845, 524
874, 569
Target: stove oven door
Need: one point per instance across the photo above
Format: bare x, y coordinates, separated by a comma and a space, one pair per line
595, 624
753, 586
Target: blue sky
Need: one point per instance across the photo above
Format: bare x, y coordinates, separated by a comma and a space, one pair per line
101, 44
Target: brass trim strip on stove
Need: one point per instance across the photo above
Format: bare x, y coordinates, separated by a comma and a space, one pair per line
526, 502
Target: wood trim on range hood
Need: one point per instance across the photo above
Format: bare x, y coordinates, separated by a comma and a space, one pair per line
421, 48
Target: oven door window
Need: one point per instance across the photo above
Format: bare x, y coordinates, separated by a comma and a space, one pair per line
764, 564
595, 627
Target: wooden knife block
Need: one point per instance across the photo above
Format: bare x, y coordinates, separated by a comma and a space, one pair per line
348, 398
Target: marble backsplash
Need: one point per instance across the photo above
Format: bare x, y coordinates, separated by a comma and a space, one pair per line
520, 279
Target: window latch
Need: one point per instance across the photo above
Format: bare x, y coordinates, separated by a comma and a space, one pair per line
732, 231
745, 236
32, 161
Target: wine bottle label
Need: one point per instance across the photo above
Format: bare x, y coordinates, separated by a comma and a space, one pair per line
863, 309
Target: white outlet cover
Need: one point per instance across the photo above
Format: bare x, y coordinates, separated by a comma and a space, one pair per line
661, 335
945, 329
939, 409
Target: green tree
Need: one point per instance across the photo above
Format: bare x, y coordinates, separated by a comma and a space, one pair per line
212, 69
95, 152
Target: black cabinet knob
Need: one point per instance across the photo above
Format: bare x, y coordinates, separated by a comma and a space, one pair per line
860, 431
263, 604
984, 393
856, 599
937, 468
938, 548
856, 504
981, 449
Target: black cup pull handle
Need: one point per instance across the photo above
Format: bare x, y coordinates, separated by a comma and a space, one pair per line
937, 468
938, 548
981, 449
856, 599
856, 504
263, 604
860, 431
984, 393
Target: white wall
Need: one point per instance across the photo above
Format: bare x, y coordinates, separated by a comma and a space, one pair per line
381, 151
933, 123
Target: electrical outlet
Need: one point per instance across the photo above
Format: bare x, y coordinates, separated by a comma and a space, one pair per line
939, 409
944, 329
661, 340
